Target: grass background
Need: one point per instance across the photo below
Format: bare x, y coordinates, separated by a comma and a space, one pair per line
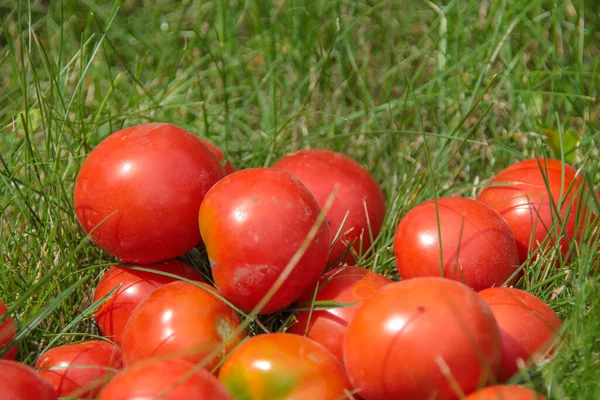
433, 99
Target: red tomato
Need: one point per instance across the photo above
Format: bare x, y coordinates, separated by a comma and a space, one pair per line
418, 339
113, 314
252, 223
144, 185
181, 319
478, 247
505, 392
529, 327
229, 169
341, 285
321, 171
283, 366
169, 379
8, 331
81, 369
20, 382
520, 194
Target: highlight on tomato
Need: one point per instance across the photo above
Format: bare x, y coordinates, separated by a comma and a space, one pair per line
8, 331
529, 328
541, 199
358, 210
421, 338
283, 366
21, 382
81, 369
347, 285
167, 379
133, 287
253, 222
138, 192
471, 241
182, 320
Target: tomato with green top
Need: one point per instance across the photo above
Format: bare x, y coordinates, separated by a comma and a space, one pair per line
282, 366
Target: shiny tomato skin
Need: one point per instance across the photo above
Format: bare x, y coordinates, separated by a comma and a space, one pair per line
478, 247
321, 171
167, 379
282, 366
398, 338
145, 185
184, 320
21, 382
8, 331
505, 392
80, 369
229, 168
253, 222
347, 284
520, 194
529, 327
113, 314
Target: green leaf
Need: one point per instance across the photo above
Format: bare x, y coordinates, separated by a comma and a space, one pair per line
568, 142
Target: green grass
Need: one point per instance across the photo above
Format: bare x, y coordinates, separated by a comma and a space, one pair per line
433, 100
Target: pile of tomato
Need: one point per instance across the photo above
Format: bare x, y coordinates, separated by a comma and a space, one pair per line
288, 237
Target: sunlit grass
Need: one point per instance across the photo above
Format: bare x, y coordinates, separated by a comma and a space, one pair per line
433, 99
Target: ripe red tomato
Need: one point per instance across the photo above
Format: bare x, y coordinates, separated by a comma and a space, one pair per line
181, 319
340, 285
283, 366
505, 392
321, 171
253, 222
144, 185
529, 327
521, 195
229, 168
81, 369
417, 339
21, 382
168, 379
478, 247
8, 331
113, 314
